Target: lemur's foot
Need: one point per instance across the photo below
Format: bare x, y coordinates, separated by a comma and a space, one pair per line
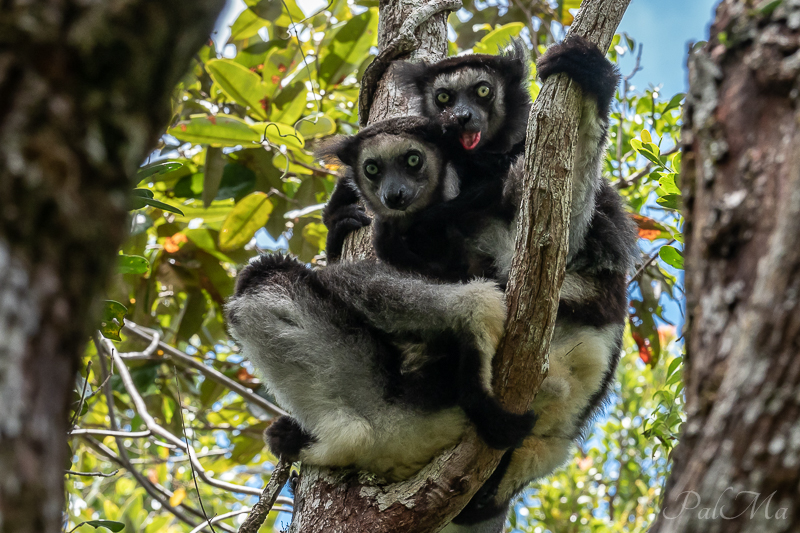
286, 438
582, 61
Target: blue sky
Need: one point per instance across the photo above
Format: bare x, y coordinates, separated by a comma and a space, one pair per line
665, 27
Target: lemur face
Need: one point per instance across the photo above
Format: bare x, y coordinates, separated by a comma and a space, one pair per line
469, 102
397, 174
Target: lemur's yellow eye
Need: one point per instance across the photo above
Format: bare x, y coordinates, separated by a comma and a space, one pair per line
443, 98
371, 169
484, 91
413, 160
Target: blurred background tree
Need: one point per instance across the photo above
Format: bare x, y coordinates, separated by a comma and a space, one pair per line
234, 175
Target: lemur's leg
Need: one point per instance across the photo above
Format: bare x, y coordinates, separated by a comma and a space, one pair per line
584, 63
397, 303
342, 215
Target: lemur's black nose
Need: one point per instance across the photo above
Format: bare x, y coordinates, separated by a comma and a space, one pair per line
463, 116
396, 199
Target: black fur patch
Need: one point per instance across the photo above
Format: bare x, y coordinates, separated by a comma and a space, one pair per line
586, 64
286, 438
483, 504
269, 269
496, 426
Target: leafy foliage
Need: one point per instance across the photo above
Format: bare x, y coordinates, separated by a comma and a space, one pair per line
234, 174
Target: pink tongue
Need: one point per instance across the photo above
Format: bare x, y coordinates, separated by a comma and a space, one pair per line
470, 140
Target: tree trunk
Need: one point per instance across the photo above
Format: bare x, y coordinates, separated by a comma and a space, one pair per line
84, 92
334, 502
737, 467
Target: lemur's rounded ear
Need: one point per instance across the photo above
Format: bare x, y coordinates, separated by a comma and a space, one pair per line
514, 57
412, 76
338, 149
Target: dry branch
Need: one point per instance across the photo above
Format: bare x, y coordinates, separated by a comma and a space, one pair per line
328, 502
267, 499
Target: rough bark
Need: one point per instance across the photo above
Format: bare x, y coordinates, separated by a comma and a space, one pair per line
741, 181
84, 92
335, 502
389, 101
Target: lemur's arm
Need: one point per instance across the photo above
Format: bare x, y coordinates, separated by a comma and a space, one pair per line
342, 215
586, 65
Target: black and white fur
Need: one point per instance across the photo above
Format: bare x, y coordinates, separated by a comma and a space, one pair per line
499, 119
379, 370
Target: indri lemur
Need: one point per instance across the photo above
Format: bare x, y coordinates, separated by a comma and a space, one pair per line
593, 302
480, 104
380, 370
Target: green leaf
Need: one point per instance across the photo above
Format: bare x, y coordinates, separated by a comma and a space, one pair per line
667, 183
157, 168
240, 85
674, 102
316, 126
648, 150
143, 198
768, 6
316, 234
132, 264
673, 366
498, 38
248, 23
202, 239
671, 256
212, 174
248, 216
217, 130
112, 319
351, 43
108, 524
670, 201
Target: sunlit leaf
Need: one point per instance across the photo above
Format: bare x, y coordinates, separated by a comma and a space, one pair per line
350, 44
215, 130
248, 216
498, 38
240, 85
177, 497
279, 134
112, 319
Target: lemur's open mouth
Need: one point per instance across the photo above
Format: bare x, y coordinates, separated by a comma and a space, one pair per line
469, 140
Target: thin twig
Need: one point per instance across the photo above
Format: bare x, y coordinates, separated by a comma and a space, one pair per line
111, 433
189, 446
153, 426
211, 373
156, 491
83, 397
123, 453
267, 498
91, 474
648, 262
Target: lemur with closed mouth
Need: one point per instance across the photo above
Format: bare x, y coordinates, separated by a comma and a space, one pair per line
480, 104
587, 340
379, 370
